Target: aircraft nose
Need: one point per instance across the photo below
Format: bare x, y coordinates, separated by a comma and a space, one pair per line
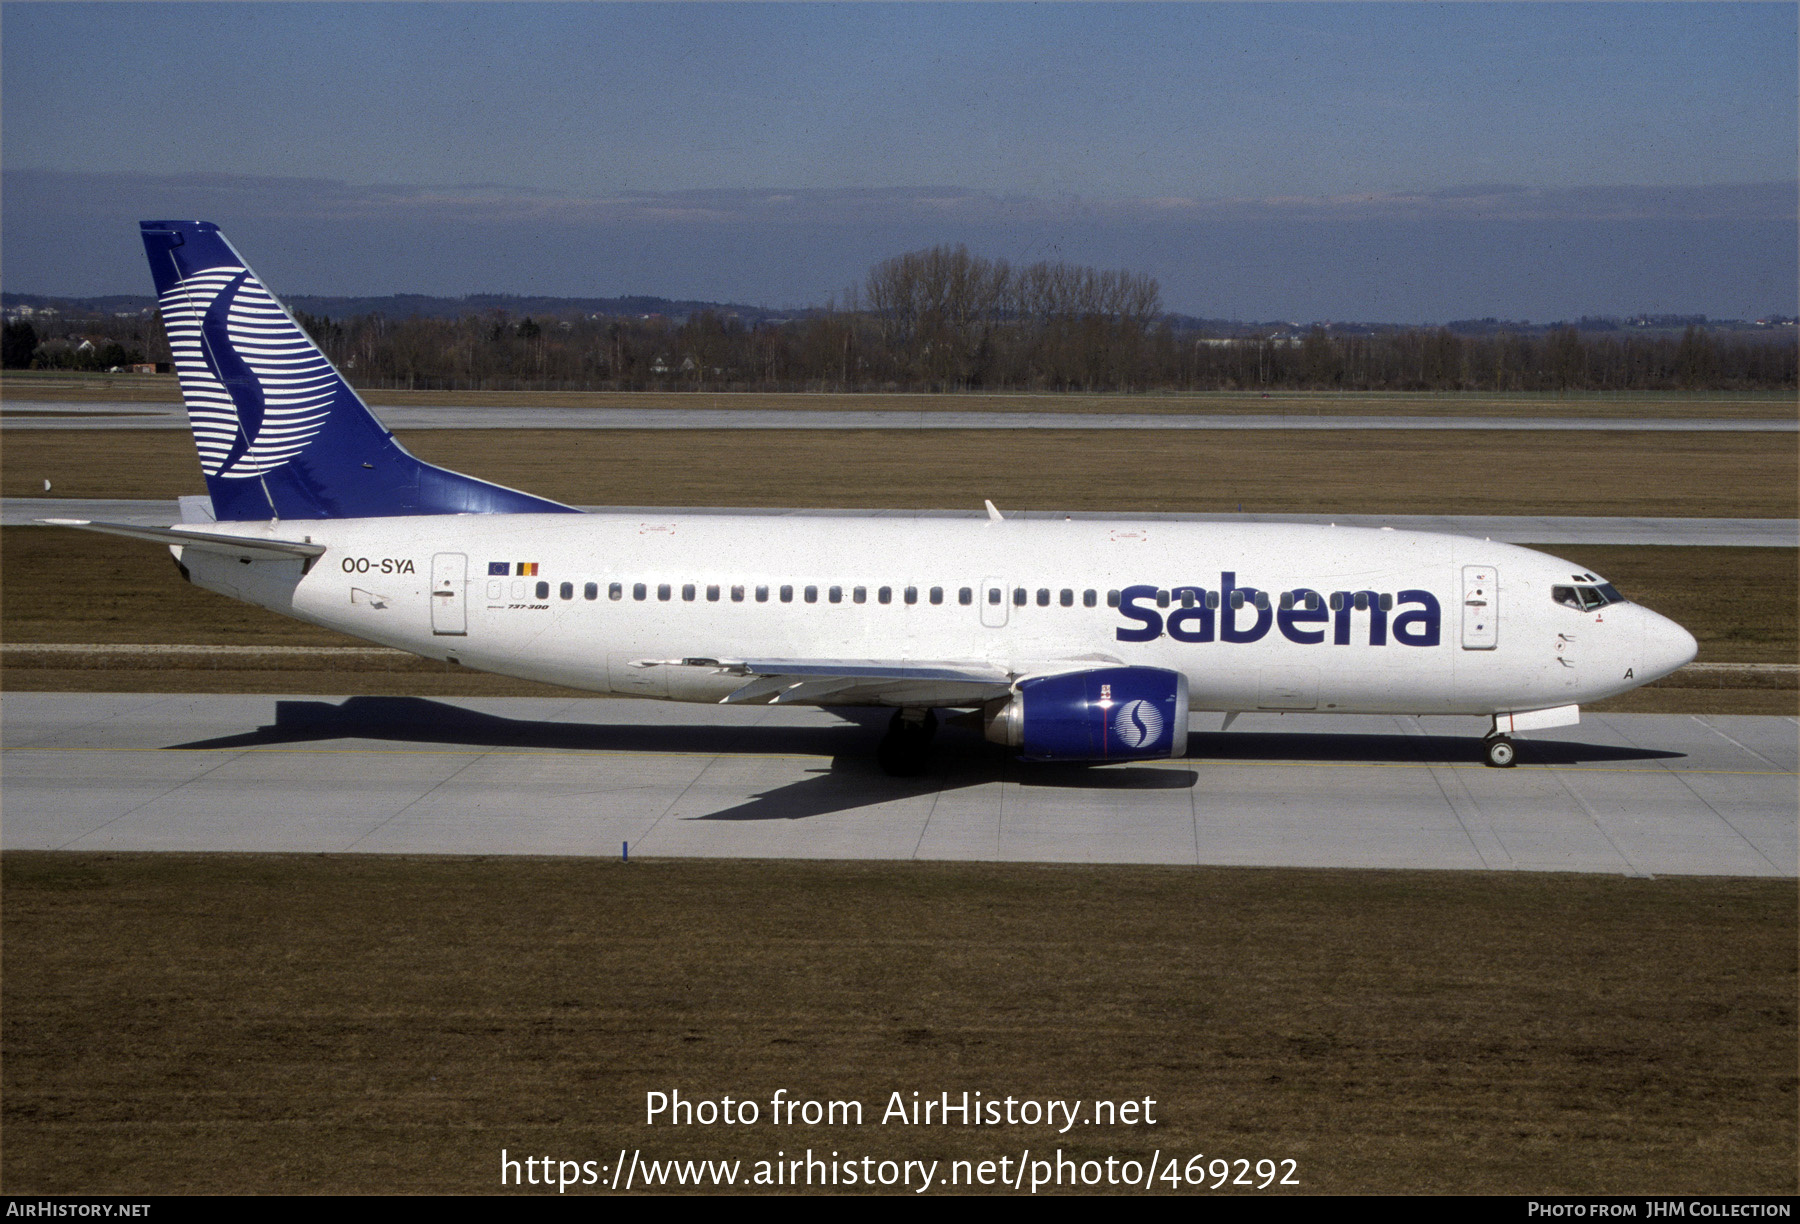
1667, 646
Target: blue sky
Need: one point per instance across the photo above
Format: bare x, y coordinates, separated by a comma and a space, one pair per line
1407, 161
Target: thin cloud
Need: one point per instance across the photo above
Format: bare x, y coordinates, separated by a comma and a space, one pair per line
1466, 251
256, 197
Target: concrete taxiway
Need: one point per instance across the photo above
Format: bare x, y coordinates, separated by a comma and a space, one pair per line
43, 414
1509, 528
1631, 794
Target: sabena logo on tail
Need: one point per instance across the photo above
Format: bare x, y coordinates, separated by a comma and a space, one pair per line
257, 390
280, 434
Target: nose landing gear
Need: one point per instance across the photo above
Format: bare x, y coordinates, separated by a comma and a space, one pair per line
905, 750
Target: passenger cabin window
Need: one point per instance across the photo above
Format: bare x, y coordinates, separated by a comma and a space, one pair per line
1088, 597
591, 591
712, 594
762, 594
937, 595
687, 591
912, 595
1018, 597
543, 590
835, 594
885, 595
965, 596
994, 595
812, 594
1043, 598
664, 591
787, 594
859, 594
737, 594
568, 591
640, 591
1112, 599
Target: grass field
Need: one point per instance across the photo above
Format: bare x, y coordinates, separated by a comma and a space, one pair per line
267, 1023
1389, 472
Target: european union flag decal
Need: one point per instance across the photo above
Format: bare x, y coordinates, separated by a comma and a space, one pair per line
499, 569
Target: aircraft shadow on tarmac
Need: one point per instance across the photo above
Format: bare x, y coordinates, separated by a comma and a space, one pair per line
853, 779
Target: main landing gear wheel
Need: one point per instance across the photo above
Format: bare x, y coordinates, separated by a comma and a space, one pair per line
1500, 752
905, 750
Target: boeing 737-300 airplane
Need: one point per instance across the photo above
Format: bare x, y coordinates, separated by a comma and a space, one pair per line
1073, 640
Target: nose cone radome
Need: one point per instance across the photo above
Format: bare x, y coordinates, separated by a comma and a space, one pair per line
1667, 647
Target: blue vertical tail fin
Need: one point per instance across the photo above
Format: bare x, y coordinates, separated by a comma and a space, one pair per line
279, 431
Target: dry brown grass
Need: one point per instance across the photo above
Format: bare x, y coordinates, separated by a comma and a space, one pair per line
270, 1023
1745, 405
1362, 472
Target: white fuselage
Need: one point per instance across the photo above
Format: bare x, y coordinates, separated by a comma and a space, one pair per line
1472, 627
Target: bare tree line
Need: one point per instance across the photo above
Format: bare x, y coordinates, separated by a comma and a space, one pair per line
947, 320
942, 319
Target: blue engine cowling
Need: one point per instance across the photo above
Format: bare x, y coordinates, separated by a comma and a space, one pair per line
1110, 714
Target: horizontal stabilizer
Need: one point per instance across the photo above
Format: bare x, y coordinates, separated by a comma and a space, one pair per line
208, 541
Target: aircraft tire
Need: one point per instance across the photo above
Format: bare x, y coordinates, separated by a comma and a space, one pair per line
1500, 752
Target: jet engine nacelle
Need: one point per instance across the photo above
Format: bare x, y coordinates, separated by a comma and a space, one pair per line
1110, 714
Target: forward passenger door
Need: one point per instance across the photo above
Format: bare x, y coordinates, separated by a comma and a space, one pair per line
1481, 607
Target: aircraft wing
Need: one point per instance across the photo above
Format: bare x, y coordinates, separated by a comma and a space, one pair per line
862, 681
895, 682
188, 537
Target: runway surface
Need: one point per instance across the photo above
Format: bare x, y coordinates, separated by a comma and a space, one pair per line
20, 415
1632, 794
1514, 529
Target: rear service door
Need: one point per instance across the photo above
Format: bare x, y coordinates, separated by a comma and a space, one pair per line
1481, 607
449, 583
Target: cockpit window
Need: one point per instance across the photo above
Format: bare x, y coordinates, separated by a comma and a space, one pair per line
1586, 598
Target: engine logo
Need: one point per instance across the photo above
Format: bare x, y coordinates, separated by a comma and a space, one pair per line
1138, 723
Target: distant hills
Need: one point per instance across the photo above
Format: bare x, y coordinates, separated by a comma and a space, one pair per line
419, 305
677, 310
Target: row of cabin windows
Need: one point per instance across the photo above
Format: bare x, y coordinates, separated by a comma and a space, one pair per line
1312, 601
690, 592
1188, 597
